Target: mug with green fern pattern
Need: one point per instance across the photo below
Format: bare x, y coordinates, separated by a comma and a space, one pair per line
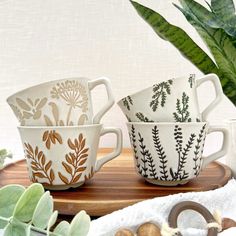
170, 154
174, 100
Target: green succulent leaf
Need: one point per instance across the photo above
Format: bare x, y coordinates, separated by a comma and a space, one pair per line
27, 203
43, 211
80, 224
16, 230
62, 228
9, 195
178, 37
220, 45
52, 221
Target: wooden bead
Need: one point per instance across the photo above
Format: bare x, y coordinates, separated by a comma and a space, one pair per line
148, 229
228, 223
124, 232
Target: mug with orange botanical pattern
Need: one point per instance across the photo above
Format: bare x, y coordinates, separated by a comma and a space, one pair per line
63, 157
65, 102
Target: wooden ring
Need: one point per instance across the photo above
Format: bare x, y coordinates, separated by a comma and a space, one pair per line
190, 205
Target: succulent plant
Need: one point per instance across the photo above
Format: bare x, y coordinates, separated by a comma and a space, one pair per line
216, 25
3, 155
29, 212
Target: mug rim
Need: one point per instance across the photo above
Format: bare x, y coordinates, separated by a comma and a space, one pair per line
41, 84
168, 123
143, 90
59, 127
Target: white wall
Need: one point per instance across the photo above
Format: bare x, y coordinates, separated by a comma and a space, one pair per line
53, 39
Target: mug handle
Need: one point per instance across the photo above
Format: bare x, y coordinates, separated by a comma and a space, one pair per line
111, 100
206, 160
116, 152
218, 90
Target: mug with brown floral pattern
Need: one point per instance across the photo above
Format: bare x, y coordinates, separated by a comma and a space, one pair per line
65, 102
63, 157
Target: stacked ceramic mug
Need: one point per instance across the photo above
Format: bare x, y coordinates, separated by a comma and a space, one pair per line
59, 132
167, 131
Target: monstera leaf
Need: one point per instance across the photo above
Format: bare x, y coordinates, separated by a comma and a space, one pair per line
217, 28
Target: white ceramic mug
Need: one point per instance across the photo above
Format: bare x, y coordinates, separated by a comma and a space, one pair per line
63, 102
171, 153
231, 154
64, 157
173, 100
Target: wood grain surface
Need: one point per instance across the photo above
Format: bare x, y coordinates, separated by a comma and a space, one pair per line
116, 186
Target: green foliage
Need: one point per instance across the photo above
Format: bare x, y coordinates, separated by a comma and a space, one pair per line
217, 28
160, 92
3, 155
27, 212
182, 114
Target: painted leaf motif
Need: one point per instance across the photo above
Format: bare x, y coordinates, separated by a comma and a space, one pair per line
63, 178
48, 121
82, 162
70, 144
82, 119
52, 175
68, 159
67, 167
81, 169
76, 179
48, 165
45, 135
39, 174
55, 111
37, 115
23, 104
27, 115
41, 103
58, 137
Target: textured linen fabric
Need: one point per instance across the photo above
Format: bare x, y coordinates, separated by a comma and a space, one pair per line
157, 210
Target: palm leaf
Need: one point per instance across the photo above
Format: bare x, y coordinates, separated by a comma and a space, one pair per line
178, 37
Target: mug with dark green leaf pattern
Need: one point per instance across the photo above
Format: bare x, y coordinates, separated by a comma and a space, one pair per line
174, 100
171, 153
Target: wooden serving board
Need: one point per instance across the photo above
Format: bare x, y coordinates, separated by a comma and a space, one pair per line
116, 186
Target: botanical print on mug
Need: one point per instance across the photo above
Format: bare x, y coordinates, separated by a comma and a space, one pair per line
160, 93
28, 109
75, 160
158, 169
41, 169
51, 137
74, 94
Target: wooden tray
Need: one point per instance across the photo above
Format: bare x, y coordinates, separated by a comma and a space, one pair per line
115, 186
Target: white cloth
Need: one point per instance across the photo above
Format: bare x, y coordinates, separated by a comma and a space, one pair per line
157, 210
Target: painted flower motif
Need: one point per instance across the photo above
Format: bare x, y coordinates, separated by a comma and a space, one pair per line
30, 108
72, 92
